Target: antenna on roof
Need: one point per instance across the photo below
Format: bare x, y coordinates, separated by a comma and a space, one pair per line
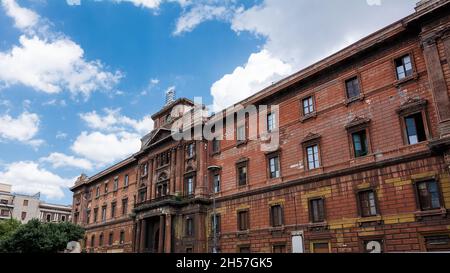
170, 95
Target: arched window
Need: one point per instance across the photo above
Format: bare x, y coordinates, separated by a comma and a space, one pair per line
100, 240
48, 217
92, 240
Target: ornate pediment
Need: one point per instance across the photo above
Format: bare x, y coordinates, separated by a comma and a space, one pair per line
155, 136
412, 105
357, 122
311, 137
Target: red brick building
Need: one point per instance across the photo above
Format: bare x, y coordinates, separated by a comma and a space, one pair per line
363, 162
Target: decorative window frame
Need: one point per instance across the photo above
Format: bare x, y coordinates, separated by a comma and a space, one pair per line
411, 107
359, 124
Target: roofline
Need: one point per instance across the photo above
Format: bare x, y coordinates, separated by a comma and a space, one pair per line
365, 43
168, 106
107, 171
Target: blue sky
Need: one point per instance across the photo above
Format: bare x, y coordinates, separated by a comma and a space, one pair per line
80, 79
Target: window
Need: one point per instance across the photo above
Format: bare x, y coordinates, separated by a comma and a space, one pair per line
367, 203
142, 195
308, 106
312, 153
215, 223
97, 191
189, 250
161, 189
4, 213
144, 169
437, 243
280, 248
113, 209
63, 218
106, 187
116, 184
124, 206
100, 240
415, 128
216, 183
25, 203
126, 180
320, 247
428, 195
24, 215
190, 150
4, 201
241, 133
360, 144
276, 215
215, 145
88, 216
274, 167
189, 226
242, 174
317, 210
244, 249
104, 213
110, 238
189, 185
122, 237
92, 240
48, 218
164, 159
403, 67
271, 122
95, 214
243, 220
352, 88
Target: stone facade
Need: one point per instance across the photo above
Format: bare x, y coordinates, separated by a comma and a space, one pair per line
364, 166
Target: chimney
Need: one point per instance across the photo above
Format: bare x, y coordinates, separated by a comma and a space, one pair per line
423, 4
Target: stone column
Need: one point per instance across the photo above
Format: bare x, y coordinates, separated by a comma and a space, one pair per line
161, 234
437, 84
137, 239
143, 235
168, 234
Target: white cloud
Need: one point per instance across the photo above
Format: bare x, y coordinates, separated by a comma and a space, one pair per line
298, 33
114, 121
261, 70
199, 14
373, 2
50, 62
23, 18
105, 148
27, 177
22, 128
61, 135
58, 160
73, 2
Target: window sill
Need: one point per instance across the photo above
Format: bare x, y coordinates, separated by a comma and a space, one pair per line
241, 143
309, 116
322, 226
369, 219
242, 233
162, 167
428, 213
413, 77
355, 99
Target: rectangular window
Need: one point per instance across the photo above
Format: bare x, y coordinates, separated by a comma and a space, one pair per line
97, 191
25, 203
4, 201
122, 237
113, 209
415, 129
271, 122
215, 145
190, 150
367, 203
24, 215
100, 240
125, 206
352, 88
116, 184
242, 174
320, 247
437, 243
95, 215
428, 195
317, 210
274, 167
243, 220
106, 187
104, 213
161, 189
403, 67
110, 238
312, 153
360, 144
126, 181
241, 133
279, 248
215, 223
308, 106
216, 183
276, 215
88, 216
190, 185
142, 195
189, 226
4, 213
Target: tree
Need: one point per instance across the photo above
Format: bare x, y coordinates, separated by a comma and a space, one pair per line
7, 227
36, 236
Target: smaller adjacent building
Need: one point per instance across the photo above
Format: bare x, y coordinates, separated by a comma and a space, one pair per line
26, 207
